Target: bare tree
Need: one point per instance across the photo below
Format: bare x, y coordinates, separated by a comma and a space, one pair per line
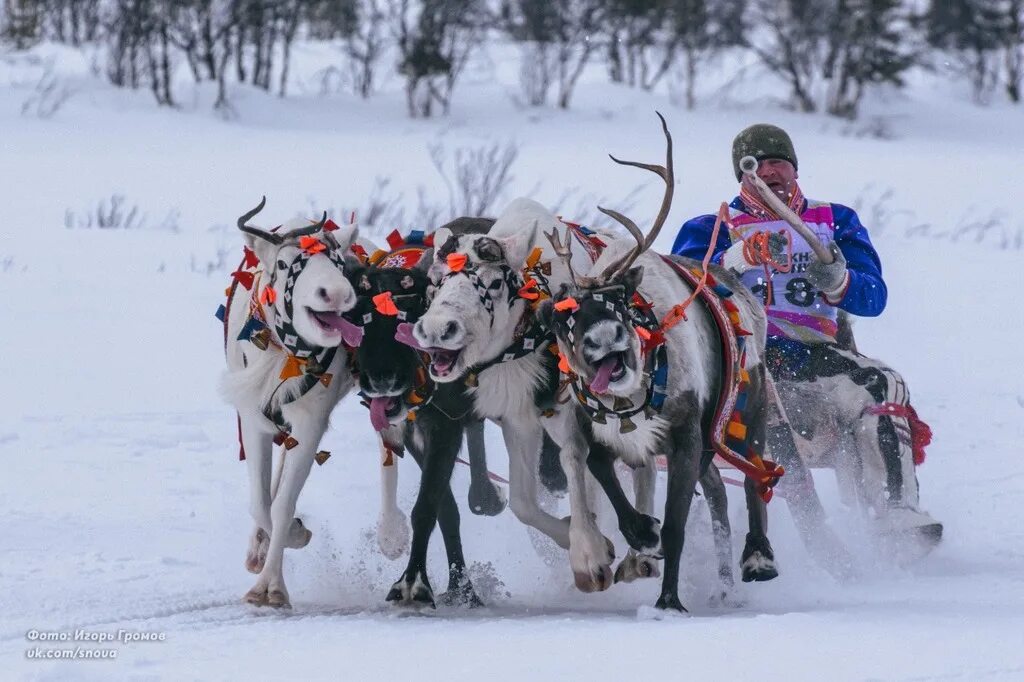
435, 39
564, 33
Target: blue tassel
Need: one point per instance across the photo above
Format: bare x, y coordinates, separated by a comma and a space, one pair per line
221, 312
415, 237
251, 327
722, 290
741, 402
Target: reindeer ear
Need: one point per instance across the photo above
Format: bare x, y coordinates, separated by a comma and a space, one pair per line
441, 237
631, 280
516, 247
346, 235
265, 250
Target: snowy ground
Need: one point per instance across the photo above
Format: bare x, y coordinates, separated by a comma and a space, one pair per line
123, 506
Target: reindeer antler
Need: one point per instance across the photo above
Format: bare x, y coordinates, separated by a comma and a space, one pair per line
667, 174
276, 238
271, 237
563, 250
307, 231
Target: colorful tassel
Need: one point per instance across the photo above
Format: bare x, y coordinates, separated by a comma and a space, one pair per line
312, 245
385, 304
567, 304
456, 261
269, 296
292, 367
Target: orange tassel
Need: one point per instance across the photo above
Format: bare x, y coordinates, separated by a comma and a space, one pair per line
529, 290
312, 245
456, 261
269, 296
643, 333
292, 367
384, 304
563, 364
567, 304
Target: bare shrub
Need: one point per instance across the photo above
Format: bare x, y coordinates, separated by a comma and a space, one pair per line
48, 96
476, 177
116, 213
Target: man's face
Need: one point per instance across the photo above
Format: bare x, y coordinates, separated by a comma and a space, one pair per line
778, 174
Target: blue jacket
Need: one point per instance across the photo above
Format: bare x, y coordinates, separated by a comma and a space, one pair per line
867, 294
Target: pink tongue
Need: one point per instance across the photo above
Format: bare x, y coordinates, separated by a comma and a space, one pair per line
350, 333
379, 413
599, 384
404, 335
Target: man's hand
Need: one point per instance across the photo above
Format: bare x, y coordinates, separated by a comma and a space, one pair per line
742, 256
829, 278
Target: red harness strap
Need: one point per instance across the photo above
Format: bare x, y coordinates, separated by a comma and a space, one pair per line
920, 432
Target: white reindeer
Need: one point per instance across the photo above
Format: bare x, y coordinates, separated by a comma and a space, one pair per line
285, 374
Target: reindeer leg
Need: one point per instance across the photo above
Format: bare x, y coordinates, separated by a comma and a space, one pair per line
485, 498
640, 530
392, 524
635, 565
523, 441
259, 453
552, 476
758, 560
440, 447
718, 504
460, 590
270, 588
684, 462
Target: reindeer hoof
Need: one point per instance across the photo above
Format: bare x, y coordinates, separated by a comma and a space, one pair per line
486, 499
257, 554
257, 596
392, 534
278, 599
462, 594
758, 561
412, 590
670, 602
598, 581
635, 566
298, 535
643, 533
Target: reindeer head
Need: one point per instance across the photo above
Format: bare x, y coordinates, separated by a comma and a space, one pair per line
591, 317
388, 300
475, 305
304, 267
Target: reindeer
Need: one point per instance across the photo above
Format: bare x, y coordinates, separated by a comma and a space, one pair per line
481, 332
411, 413
285, 374
632, 396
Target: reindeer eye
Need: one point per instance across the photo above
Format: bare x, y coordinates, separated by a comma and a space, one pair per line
407, 282
281, 265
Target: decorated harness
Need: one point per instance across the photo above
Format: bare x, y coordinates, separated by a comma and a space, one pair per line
302, 360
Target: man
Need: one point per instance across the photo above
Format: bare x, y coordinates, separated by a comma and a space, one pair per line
865, 401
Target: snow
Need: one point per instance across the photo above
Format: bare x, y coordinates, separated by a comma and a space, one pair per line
123, 505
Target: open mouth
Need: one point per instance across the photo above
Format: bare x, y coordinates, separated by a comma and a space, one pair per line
383, 410
331, 322
442, 360
611, 367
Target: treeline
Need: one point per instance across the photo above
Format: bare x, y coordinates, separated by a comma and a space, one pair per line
828, 52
